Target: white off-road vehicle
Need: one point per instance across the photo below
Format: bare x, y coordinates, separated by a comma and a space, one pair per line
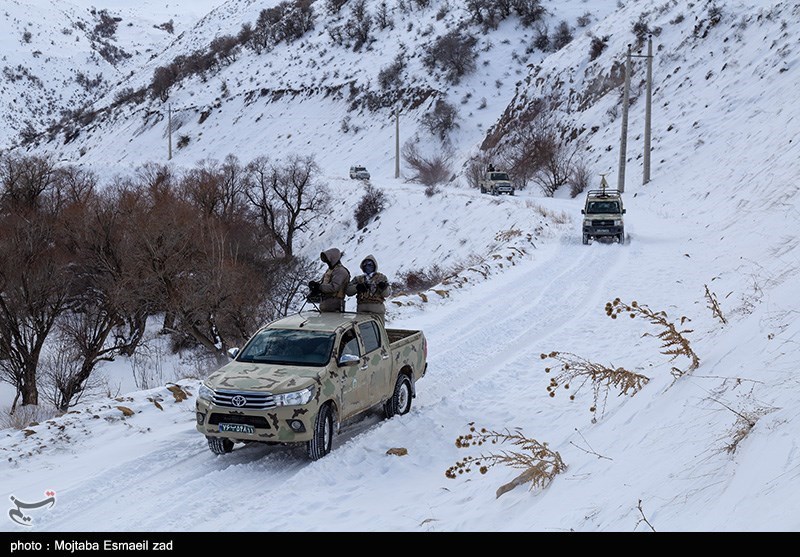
602, 218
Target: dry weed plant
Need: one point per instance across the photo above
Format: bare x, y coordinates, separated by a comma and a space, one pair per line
558, 217
745, 422
674, 344
713, 305
539, 464
575, 372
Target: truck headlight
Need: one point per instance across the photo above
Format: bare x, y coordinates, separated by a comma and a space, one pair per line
295, 398
618, 222
205, 393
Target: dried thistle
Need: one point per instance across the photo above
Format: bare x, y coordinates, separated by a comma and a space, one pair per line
713, 305
538, 463
576, 372
674, 344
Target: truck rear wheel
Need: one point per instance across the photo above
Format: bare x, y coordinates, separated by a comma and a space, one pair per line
220, 445
400, 402
320, 444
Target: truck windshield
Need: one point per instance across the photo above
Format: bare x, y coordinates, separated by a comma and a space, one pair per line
288, 347
500, 176
596, 207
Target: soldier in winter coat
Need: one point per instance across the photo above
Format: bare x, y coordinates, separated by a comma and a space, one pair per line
331, 288
370, 289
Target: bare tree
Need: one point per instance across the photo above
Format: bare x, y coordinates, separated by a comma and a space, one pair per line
287, 197
34, 269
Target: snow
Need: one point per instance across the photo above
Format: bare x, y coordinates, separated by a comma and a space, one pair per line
720, 212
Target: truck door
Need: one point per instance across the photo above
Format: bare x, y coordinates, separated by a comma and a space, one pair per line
355, 378
378, 357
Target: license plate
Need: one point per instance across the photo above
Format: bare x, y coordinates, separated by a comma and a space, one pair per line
602, 230
237, 428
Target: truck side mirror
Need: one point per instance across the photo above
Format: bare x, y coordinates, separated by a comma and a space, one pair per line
623, 211
348, 360
233, 352
583, 212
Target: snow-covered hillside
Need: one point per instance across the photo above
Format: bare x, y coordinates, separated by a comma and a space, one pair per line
714, 449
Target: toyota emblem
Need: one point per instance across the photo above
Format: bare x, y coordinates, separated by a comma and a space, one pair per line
238, 401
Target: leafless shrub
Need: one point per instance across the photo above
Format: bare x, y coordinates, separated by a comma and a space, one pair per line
558, 217
107, 25
26, 36
713, 305
441, 120
147, 365
585, 19
429, 171
541, 38
674, 344
168, 26
640, 30
579, 178
334, 6
597, 46
575, 372
417, 280
128, 94
562, 36
539, 464
453, 53
26, 416
391, 77
371, 204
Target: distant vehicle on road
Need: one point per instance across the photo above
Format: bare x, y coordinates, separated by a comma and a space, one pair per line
359, 173
496, 182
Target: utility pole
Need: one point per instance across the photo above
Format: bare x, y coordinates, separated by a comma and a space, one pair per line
623, 141
396, 142
647, 111
169, 132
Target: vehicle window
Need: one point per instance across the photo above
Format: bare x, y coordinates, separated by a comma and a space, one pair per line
288, 347
499, 176
369, 335
603, 207
349, 344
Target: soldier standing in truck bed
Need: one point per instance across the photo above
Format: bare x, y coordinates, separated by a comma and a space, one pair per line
370, 289
334, 282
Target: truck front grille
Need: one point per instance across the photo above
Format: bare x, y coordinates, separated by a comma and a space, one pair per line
602, 223
244, 399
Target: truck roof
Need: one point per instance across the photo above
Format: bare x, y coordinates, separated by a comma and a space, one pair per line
319, 321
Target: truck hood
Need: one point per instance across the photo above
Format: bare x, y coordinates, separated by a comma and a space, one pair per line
248, 376
603, 216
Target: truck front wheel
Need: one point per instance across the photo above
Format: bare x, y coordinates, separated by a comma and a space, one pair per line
400, 403
320, 444
220, 445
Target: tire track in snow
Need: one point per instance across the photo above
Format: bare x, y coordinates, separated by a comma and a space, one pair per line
496, 333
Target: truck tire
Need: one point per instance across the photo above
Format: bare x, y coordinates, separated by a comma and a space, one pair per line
220, 445
400, 402
322, 440
585, 239
621, 238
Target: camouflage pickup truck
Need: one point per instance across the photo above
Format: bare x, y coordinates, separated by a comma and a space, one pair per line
300, 378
